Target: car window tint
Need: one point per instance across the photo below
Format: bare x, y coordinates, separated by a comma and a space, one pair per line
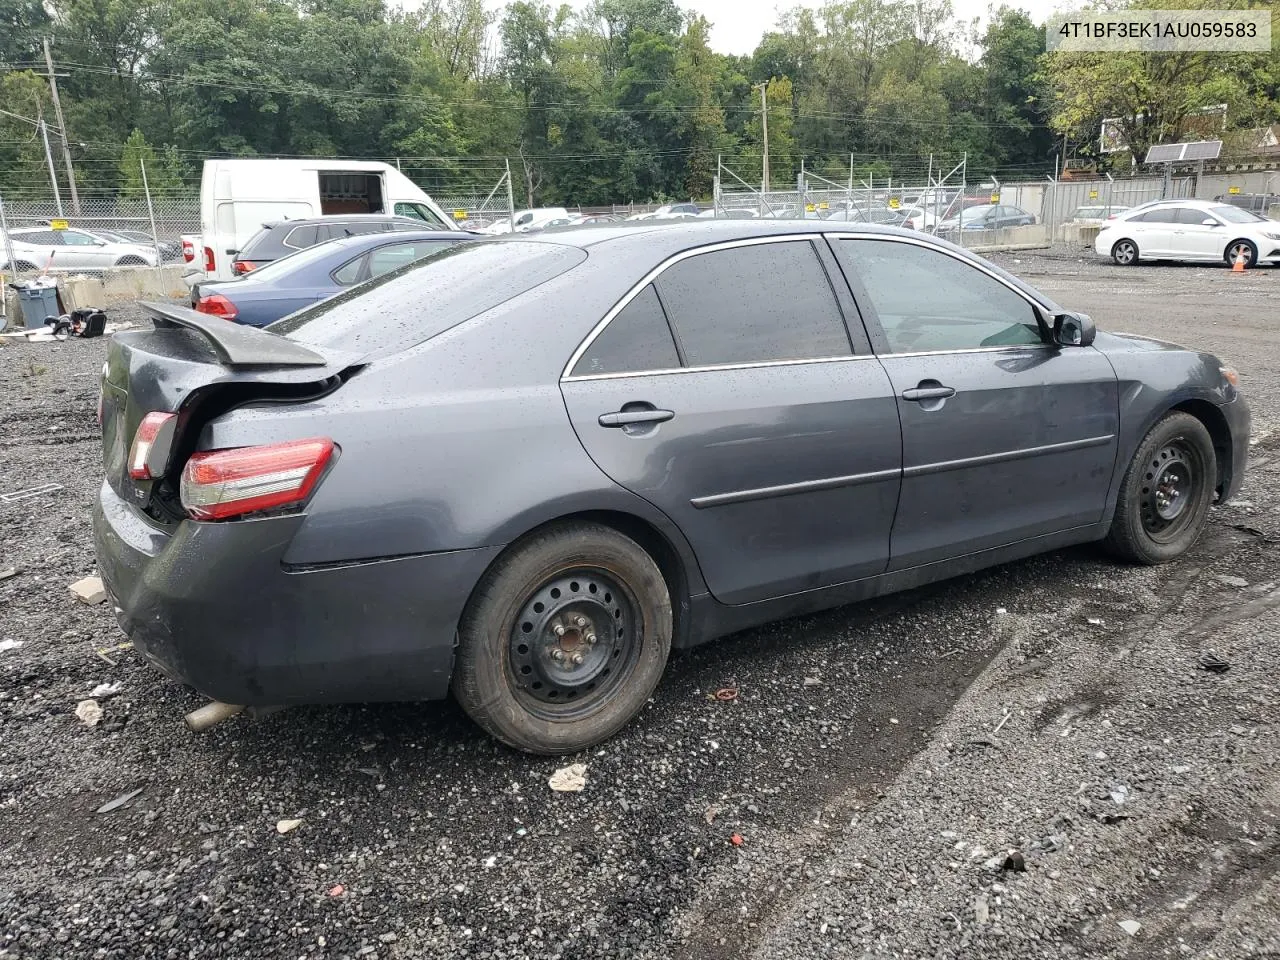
1163, 215
299, 238
353, 228
927, 300
351, 271
637, 339
1189, 215
419, 212
41, 238
1236, 215
386, 259
392, 313
768, 301
73, 238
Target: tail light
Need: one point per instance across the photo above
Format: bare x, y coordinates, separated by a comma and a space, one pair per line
210, 265
216, 305
241, 267
151, 444
219, 484
188, 251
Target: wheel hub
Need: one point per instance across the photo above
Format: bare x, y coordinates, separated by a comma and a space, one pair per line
570, 637
1168, 491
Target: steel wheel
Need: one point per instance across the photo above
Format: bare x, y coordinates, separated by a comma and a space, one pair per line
1170, 486
1125, 253
574, 642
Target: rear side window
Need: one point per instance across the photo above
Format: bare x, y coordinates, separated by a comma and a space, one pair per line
768, 301
392, 313
299, 238
636, 340
42, 238
355, 227
1163, 215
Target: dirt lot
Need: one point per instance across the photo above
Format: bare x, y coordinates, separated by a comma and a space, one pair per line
877, 765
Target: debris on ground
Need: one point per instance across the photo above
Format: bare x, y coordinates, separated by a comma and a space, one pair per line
90, 712
725, 694
7, 644
89, 590
104, 690
1131, 927
8, 572
337, 890
1213, 663
1230, 581
711, 813
119, 801
736, 839
29, 492
570, 779
812, 682
981, 910
287, 826
1014, 861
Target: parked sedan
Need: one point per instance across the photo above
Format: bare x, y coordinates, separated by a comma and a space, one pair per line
525, 470
38, 247
989, 216
1197, 230
283, 238
169, 249
317, 273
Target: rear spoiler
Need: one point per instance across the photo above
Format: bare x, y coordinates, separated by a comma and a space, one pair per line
237, 345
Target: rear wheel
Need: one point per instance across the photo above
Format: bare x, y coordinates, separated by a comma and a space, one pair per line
131, 261
564, 639
1164, 499
20, 266
1238, 249
1125, 253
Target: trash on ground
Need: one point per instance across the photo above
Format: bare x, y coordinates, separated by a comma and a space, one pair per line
337, 890
119, 801
287, 826
1213, 663
1229, 581
1119, 794
1001, 610
981, 910
1014, 861
736, 839
1131, 927
711, 813
89, 590
570, 779
490, 862
7, 644
812, 682
29, 492
8, 572
726, 694
104, 690
1095, 621
90, 712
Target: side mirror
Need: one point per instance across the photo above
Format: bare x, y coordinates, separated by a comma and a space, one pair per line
1073, 330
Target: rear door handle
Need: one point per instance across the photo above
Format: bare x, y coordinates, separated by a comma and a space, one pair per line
625, 418
929, 393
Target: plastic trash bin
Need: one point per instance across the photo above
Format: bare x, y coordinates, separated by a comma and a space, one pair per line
38, 302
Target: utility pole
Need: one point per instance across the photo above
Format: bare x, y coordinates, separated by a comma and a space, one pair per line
48, 155
764, 135
62, 125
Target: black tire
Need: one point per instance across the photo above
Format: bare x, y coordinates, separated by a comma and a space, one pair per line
1243, 248
1125, 252
131, 262
514, 675
1165, 496
20, 266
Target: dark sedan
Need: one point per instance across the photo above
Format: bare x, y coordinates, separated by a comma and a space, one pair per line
317, 273
525, 470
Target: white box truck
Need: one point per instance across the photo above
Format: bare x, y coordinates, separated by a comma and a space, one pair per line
238, 196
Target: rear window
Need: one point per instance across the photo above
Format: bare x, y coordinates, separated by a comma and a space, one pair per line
420, 300
259, 243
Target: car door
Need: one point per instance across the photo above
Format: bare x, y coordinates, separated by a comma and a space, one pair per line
1196, 240
85, 251
729, 394
1154, 232
1005, 436
41, 245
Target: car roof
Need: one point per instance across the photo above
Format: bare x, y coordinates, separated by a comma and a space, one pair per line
397, 236
340, 218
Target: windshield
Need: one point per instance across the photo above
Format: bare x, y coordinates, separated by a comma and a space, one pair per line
1236, 215
422, 299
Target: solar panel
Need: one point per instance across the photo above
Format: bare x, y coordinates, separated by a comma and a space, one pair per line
1164, 153
1181, 152
1203, 150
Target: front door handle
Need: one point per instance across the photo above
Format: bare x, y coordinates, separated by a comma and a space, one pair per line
938, 392
626, 418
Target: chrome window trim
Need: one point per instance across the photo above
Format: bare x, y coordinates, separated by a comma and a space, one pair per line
653, 275
707, 368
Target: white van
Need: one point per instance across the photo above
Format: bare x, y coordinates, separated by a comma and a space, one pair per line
238, 196
526, 220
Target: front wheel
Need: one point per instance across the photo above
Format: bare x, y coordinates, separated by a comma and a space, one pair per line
131, 261
1125, 253
1241, 250
1165, 496
564, 639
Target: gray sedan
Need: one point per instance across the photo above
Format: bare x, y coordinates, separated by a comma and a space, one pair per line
581, 450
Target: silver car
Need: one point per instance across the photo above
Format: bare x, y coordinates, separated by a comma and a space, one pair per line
39, 248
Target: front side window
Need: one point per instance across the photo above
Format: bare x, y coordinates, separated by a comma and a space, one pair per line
636, 340
1236, 215
73, 238
929, 301
755, 303
1187, 215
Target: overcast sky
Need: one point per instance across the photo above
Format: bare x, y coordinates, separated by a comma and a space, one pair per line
737, 25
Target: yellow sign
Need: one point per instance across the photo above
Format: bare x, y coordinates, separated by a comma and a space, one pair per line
824, 205
995, 198
58, 225
1093, 194
459, 214
809, 208
894, 203
1233, 189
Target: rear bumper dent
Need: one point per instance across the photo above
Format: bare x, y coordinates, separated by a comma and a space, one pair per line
212, 606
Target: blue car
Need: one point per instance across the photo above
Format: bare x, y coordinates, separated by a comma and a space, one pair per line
316, 273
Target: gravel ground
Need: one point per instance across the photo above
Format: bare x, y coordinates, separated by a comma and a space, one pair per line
877, 765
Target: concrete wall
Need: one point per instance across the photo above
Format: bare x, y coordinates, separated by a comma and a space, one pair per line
126, 283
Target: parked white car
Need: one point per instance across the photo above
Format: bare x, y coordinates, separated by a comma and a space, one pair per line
38, 248
534, 218
1098, 213
1200, 230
